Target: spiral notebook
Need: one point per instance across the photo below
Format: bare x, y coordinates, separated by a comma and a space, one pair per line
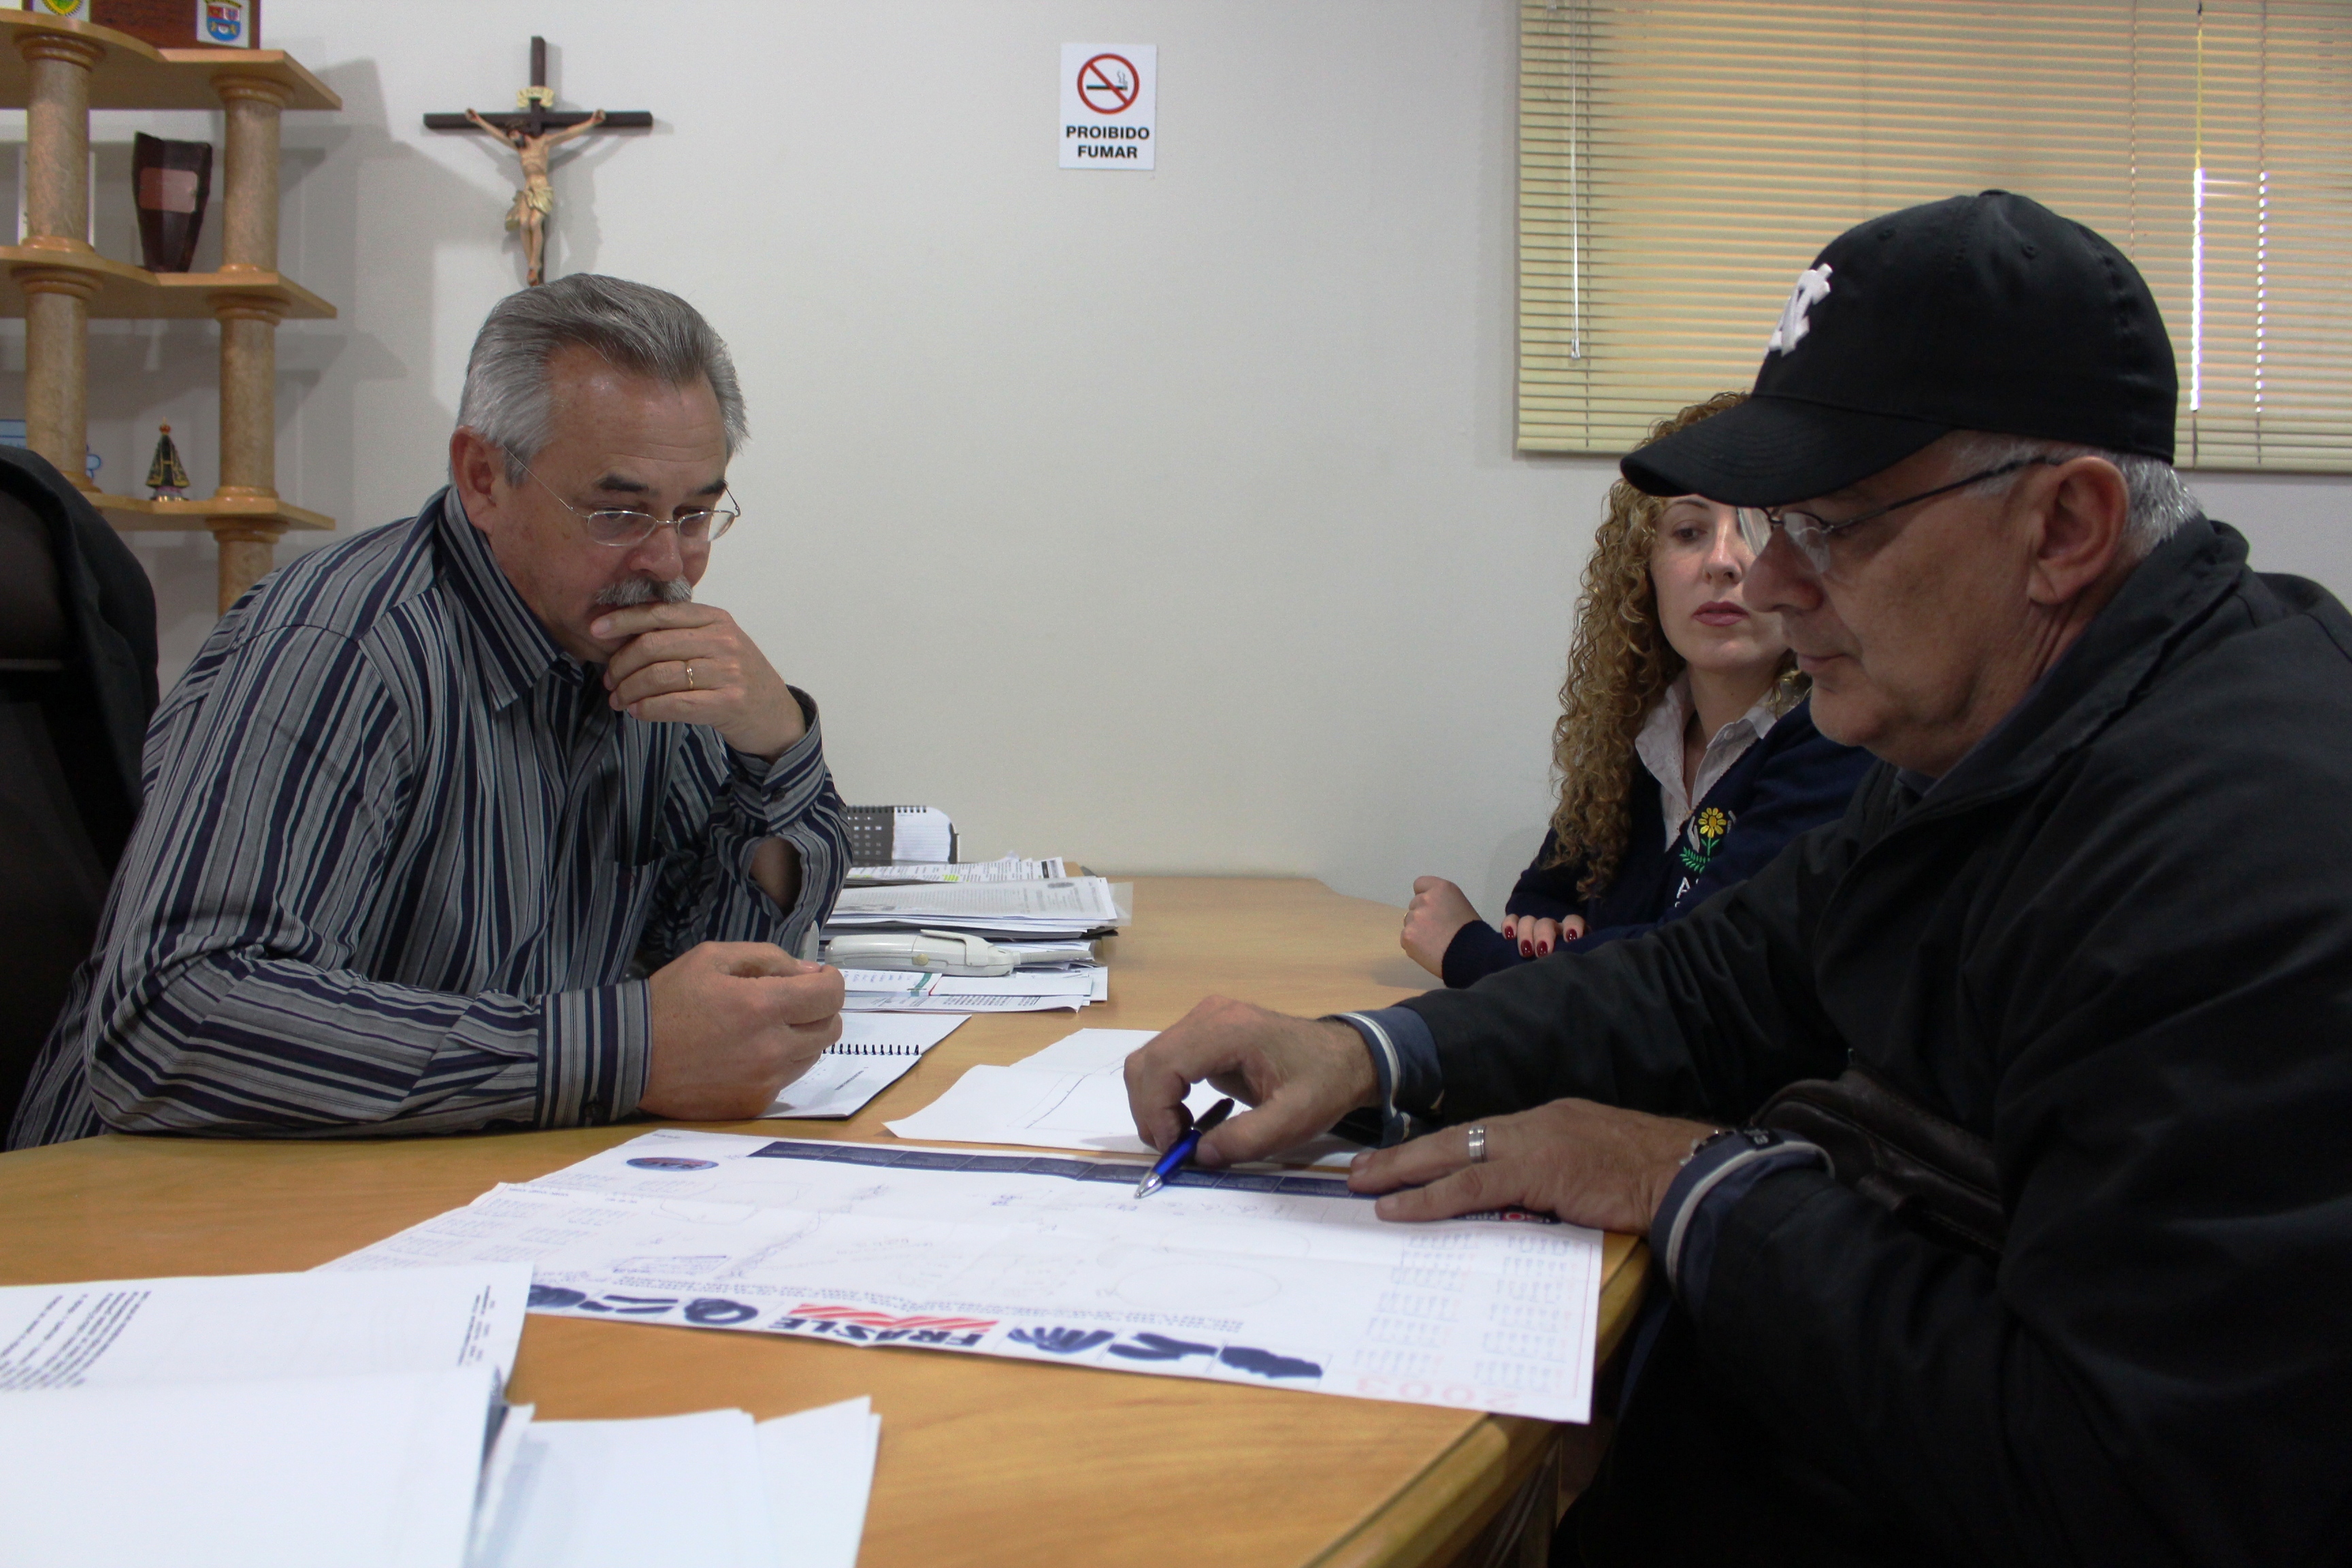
874, 1052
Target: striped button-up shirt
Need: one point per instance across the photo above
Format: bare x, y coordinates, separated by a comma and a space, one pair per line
396, 858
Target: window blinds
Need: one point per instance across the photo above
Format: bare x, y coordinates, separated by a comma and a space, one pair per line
1681, 161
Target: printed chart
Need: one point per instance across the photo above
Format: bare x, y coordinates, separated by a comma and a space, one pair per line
1280, 1280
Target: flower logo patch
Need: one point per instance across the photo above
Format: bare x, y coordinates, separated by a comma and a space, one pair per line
1702, 837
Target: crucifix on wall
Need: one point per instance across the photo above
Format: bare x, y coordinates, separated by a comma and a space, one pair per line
534, 130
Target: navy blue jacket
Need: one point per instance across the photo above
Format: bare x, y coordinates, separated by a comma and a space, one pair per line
1792, 780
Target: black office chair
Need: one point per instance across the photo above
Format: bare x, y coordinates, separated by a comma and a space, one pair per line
76, 687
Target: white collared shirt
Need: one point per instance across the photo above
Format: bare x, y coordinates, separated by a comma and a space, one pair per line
1660, 747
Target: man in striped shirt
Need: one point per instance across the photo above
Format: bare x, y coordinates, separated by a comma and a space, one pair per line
430, 804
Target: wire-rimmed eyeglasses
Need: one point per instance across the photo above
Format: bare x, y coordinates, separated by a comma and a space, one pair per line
1812, 534
623, 526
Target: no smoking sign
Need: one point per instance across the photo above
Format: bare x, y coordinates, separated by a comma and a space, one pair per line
1109, 100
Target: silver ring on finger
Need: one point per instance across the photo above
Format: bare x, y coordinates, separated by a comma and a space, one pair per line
1478, 1146
689, 675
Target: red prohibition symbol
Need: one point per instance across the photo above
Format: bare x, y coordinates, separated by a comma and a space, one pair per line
1107, 84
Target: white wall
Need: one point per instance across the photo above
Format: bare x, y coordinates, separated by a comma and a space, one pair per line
1166, 520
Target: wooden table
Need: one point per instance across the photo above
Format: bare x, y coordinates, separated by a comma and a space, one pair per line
983, 1460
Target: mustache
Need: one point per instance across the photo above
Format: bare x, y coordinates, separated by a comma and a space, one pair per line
644, 590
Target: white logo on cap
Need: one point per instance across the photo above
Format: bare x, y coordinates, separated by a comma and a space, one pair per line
1812, 287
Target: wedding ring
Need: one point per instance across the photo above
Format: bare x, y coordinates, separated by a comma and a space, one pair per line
1478, 1145
689, 675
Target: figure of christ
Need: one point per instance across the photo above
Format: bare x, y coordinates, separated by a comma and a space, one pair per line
536, 200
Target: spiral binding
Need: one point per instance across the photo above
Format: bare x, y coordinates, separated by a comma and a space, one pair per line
873, 1050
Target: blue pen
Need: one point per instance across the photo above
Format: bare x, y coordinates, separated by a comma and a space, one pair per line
1181, 1152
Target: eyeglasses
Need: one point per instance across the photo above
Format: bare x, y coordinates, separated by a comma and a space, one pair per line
623, 526
1811, 535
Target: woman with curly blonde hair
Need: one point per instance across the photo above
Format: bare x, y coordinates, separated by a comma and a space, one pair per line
1685, 750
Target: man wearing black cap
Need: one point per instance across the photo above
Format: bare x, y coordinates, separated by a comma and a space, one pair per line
2091, 924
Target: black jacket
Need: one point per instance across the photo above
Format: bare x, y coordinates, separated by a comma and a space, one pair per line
2116, 940
69, 740
1794, 779
110, 613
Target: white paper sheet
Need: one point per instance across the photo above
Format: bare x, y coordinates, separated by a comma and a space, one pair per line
1083, 1111
1071, 1095
1065, 905
1060, 899
1283, 1280
1029, 991
223, 1328
1077, 983
875, 1051
709, 1489
1089, 1050
882, 979
627, 1494
1009, 868
1026, 1002
819, 1466
370, 1471
497, 1468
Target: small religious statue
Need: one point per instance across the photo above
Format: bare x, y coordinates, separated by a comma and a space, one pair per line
166, 475
536, 200
532, 133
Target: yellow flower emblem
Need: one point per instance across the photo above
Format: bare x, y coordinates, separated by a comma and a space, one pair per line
1713, 822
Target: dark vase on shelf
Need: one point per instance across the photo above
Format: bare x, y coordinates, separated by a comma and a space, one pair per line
173, 179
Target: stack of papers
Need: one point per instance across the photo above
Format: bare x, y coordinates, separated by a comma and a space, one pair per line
1023, 991
260, 1419
1071, 1095
714, 1489
1011, 868
1279, 1281
1060, 908
356, 1417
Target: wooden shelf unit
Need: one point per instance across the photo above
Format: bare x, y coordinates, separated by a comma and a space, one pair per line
58, 72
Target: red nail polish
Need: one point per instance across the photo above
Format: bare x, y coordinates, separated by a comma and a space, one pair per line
1544, 949
1526, 950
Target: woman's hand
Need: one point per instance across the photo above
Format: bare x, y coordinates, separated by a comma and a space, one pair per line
1536, 936
1438, 910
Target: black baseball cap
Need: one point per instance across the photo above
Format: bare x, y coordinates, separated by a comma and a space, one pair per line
1985, 312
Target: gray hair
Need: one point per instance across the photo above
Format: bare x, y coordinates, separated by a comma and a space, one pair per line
2156, 503
645, 331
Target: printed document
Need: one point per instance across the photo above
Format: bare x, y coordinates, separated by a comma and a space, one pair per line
230, 1327
910, 991
1009, 868
1277, 1281
1070, 906
247, 1418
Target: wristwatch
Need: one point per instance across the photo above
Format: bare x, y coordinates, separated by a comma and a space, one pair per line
1755, 1135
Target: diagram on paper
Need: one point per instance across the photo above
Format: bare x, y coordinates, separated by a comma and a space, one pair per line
1281, 1280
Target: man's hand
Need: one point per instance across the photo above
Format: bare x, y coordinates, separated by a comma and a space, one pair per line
1588, 1164
1300, 1074
691, 664
1439, 909
733, 1022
